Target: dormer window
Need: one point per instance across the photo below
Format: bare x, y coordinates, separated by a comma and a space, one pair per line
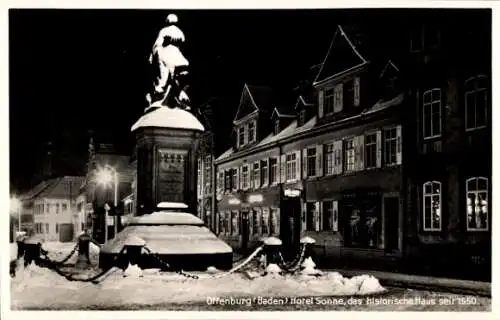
339, 98
241, 136
251, 131
302, 116
277, 126
328, 101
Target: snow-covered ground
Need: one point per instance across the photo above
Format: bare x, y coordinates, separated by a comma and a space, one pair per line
40, 288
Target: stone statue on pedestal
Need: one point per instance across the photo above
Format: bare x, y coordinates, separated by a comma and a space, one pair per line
171, 68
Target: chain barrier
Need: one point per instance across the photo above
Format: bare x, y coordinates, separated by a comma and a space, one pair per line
294, 265
55, 267
182, 273
238, 267
67, 258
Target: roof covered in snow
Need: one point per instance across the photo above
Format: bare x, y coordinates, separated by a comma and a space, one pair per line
341, 56
167, 218
56, 188
165, 117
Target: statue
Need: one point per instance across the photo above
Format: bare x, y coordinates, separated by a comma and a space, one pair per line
171, 68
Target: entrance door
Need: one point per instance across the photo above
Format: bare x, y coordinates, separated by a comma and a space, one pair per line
290, 224
391, 223
245, 232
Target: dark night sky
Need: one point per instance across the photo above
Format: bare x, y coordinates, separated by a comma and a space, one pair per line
74, 70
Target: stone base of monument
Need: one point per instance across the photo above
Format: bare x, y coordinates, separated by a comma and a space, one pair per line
175, 239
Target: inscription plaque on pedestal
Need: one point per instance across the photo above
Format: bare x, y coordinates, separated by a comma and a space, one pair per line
170, 185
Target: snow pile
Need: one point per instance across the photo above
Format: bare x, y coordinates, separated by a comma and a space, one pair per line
273, 269
309, 268
133, 271
212, 270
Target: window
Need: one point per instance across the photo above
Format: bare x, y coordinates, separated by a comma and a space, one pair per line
339, 98
46, 228
327, 220
476, 103
208, 174
329, 158
47, 207
198, 175
310, 216
349, 154
273, 164
328, 101
246, 178
311, 162
234, 179
256, 175
265, 221
291, 166
477, 204
241, 135
251, 131
390, 145
57, 227
371, 150
256, 216
302, 116
274, 227
356, 92
227, 180
234, 223
277, 126
264, 173
57, 207
432, 206
432, 113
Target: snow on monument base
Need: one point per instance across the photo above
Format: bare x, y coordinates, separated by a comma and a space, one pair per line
178, 239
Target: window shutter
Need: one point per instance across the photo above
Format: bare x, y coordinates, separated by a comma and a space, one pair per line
319, 160
379, 149
258, 178
303, 216
245, 140
399, 146
238, 180
335, 215
320, 103
297, 166
282, 166
250, 174
356, 152
337, 149
361, 146
237, 134
304, 163
316, 216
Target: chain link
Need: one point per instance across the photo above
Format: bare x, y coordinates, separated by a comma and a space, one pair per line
167, 265
295, 264
65, 259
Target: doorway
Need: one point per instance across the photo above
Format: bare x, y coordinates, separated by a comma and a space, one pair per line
290, 225
391, 223
245, 231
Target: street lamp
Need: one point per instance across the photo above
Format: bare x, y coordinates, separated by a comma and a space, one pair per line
15, 207
105, 176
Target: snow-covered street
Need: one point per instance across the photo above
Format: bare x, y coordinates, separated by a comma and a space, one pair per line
43, 289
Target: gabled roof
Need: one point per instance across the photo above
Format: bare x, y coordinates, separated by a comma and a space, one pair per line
62, 187
281, 112
254, 99
302, 102
389, 66
341, 56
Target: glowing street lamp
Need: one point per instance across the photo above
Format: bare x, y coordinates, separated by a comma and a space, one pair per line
15, 207
105, 176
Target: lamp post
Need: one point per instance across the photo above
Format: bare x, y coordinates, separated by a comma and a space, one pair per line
105, 176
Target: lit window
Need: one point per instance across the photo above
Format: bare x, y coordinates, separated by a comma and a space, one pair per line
291, 166
234, 223
432, 113
265, 221
256, 175
234, 179
256, 221
477, 204
349, 154
432, 206
476, 103
245, 176
275, 219
329, 158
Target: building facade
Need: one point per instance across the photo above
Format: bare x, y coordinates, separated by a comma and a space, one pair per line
382, 160
54, 208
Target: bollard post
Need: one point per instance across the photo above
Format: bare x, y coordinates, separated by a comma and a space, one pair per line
20, 245
308, 242
83, 261
32, 250
272, 250
134, 246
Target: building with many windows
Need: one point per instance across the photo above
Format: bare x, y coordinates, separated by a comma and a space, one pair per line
379, 159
